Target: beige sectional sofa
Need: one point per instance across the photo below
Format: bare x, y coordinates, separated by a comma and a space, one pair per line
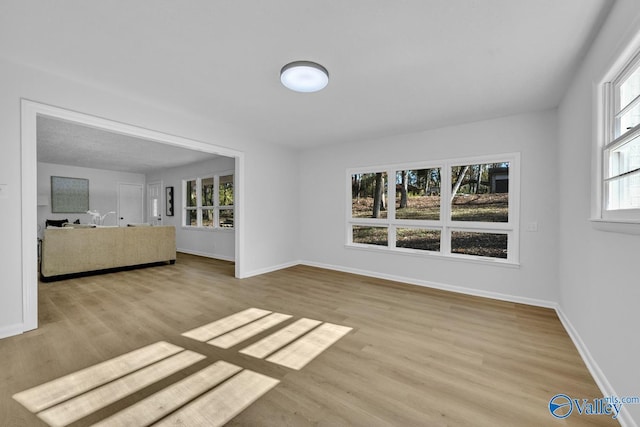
79, 250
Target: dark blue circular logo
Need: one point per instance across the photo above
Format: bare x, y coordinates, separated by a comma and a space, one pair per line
560, 406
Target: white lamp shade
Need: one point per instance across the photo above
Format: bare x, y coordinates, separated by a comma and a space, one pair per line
304, 76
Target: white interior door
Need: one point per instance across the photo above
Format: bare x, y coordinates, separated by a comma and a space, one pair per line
130, 203
154, 203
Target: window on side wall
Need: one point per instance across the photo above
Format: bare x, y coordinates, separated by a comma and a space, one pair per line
208, 202
621, 146
460, 208
225, 201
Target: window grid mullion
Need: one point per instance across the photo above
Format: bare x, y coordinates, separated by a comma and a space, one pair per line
391, 236
445, 240
622, 175
627, 107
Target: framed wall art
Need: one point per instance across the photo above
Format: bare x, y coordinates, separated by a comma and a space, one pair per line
69, 195
169, 201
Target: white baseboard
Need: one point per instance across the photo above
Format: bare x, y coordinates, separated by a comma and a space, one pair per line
442, 286
206, 255
270, 269
601, 380
11, 330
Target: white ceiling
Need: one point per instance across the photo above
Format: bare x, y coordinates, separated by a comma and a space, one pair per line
66, 143
395, 66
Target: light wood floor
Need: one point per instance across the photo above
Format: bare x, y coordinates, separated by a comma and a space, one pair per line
415, 356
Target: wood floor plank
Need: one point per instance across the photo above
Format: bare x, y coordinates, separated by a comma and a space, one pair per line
223, 403
72, 410
279, 339
224, 325
307, 348
247, 331
46, 395
417, 356
164, 402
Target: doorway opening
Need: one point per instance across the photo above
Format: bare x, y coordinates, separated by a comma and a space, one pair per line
30, 112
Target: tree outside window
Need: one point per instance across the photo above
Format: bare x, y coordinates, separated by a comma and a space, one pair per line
458, 208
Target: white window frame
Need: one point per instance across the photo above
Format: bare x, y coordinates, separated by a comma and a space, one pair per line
444, 224
199, 208
611, 138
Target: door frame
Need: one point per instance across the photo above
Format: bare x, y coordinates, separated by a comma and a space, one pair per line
147, 199
30, 110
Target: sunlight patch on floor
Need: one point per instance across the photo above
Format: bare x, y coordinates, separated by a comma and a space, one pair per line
209, 397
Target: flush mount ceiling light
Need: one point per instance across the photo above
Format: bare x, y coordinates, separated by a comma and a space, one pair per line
304, 76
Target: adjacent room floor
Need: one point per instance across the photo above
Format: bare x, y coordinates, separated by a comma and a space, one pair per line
414, 356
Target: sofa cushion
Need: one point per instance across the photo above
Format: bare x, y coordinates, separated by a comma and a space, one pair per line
55, 222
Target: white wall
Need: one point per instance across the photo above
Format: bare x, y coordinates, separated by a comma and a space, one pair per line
599, 280
322, 198
215, 243
267, 213
103, 190
272, 202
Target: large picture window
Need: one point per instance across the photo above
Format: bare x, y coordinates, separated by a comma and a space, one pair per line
208, 202
461, 208
621, 148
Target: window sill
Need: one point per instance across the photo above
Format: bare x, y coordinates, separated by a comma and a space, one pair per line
435, 255
616, 226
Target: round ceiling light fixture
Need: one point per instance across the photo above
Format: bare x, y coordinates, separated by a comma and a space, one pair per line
304, 76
